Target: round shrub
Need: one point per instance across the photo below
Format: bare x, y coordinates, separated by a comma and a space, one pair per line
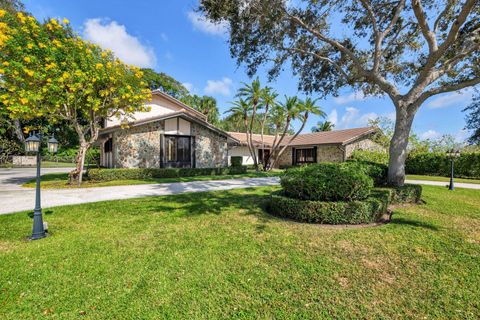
327, 182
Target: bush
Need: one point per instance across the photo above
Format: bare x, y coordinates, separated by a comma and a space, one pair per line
327, 182
155, 173
69, 155
370, 156
377, 171
236, 161
342, 212
438, 164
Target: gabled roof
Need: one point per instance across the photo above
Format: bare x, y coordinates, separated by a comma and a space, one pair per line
187, 108
342, 137
181, 114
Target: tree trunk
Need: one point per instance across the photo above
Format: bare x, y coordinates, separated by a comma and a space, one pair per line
398, 147
18, 131
75, 176
282, 150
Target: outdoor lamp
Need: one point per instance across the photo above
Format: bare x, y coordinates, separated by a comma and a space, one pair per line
452, 154
32, 144
52, 145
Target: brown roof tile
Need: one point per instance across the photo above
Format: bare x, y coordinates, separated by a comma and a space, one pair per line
327, 137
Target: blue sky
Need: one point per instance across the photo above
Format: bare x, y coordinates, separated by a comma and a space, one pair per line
170, 37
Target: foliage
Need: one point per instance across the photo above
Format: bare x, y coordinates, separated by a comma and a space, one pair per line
377, 171
8, 148
327, 182
371, 156
330, 212
368, 210
236, 161
473, 120
206, 105
406, 51
140, 173
92, 156
234, 122
466, 165
323, 126
159, 80
49, 71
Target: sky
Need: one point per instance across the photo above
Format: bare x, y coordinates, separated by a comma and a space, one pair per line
170, 37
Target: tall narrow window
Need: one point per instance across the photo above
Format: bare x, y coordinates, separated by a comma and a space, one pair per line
178, 151
304, 155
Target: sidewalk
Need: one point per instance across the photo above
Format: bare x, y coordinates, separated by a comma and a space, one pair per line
443, 184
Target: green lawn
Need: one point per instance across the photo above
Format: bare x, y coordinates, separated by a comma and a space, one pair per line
46, 164
218, 255
59, 180
442, 179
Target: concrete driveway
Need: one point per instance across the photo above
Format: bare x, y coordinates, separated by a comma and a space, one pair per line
14, 198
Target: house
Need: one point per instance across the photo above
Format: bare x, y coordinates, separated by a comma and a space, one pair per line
328, 146
170, 135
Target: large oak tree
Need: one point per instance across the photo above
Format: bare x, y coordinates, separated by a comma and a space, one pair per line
406, 50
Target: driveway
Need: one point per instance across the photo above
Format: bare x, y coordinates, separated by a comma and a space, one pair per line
14, 198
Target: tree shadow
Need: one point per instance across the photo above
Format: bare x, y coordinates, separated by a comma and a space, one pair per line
414, 223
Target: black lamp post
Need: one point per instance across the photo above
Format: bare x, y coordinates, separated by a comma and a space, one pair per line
33, 144
452, 154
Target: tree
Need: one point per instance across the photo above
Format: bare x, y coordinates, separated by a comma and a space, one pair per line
406, 51
159, 80
323, 126
473, 120
48, 71
206, 105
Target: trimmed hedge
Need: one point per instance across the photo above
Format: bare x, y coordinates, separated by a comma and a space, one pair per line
341, 212
236, 161
370, 156
377, 171
327, 182
467, 165
141, 173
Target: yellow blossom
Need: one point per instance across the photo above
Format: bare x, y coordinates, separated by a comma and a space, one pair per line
2, 13
65, 21
21, 17
29, 46
23, 100
99, 66
27, 59
6, 64
2, 71
29, 72
42, 46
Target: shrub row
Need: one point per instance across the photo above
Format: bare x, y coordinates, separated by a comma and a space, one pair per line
467, 165
327, 182
236, 161
343, 212
141, 173
370, 156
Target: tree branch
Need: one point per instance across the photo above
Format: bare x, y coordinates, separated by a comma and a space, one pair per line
422, 21
447, 88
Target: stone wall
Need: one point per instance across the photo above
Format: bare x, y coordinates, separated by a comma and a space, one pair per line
138, 147
362, 144
210, 147
330, 153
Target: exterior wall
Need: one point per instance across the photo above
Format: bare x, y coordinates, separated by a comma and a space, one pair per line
210, 147
362, 144
325, 153
286, 158
137, 147
240, 151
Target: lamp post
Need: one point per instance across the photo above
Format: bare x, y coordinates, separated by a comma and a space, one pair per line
33, 144
452, 154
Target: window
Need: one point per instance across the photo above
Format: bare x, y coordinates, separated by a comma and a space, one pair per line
178, 150
305, 155
108, 145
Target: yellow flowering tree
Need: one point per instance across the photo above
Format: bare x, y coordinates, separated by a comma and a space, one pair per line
48, 71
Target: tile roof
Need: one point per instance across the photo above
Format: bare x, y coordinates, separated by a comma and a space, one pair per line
316, 138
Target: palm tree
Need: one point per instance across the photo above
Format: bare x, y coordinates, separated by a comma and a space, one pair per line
323, 126
268, 99
298, 110
242, 109
252, 94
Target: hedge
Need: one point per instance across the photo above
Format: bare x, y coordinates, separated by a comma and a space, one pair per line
370, 156
141, 173
327, 182
467, 165
341, 212
236, 161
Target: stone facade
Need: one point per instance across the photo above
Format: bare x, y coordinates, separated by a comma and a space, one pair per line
332, 152
210, 147
138, 147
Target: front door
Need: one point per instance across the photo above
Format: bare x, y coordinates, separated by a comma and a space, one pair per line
178, 152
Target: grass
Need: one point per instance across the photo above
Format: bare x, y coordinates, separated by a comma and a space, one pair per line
45, 164
219, 255
59, 180
441, 179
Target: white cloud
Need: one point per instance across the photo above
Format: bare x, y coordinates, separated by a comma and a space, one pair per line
333, 116
219, 86
188, 86
430, 134
113, 36
351, 118
354, 96
459, 98
203, 24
